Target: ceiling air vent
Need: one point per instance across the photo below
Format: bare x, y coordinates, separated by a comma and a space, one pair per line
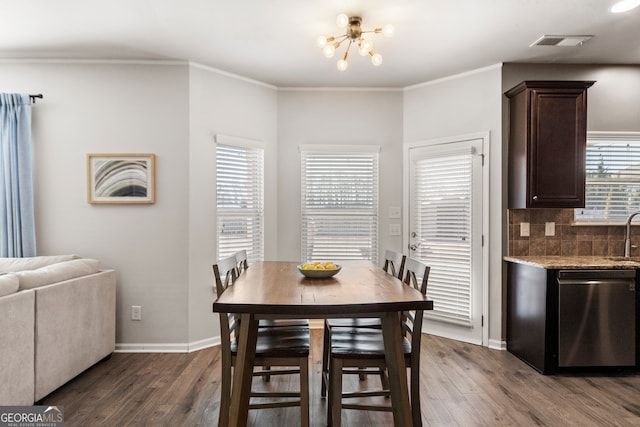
560, 41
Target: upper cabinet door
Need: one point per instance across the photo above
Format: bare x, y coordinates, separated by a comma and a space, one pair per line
547, 144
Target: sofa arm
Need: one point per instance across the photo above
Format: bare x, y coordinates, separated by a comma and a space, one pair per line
75, 328
16, 348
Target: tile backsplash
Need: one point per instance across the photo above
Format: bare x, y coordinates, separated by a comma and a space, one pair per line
569, 240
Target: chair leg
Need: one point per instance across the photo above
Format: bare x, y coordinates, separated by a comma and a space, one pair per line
384, 379
225, 393
326, 346
267, 377
416, 413
335, 393
304, 392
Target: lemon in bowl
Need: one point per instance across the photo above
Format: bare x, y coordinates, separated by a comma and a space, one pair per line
319, 270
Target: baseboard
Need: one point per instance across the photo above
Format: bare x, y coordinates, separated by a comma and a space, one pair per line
214, 341
497, 344
151, 348
167, 348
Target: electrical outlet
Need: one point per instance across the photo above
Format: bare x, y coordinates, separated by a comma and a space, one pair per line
136, 312
395, 212
549, 228
524, 229
394, 229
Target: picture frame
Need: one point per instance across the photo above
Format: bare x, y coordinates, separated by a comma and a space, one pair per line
121, 178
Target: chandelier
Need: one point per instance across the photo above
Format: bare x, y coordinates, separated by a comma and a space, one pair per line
353, 34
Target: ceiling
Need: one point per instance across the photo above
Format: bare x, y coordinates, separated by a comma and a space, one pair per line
274, 41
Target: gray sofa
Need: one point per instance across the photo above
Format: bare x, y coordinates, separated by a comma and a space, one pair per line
58, 321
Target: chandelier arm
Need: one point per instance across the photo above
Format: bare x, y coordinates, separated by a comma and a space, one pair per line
346, 51
342, 36
339, 42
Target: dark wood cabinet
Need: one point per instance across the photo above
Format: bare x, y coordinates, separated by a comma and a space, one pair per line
547, 144
531, 316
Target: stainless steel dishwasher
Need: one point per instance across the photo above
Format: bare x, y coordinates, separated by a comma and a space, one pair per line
596, 318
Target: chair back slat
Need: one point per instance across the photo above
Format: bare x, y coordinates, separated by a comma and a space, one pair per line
394, 263
225, 272
416, 275
241, 261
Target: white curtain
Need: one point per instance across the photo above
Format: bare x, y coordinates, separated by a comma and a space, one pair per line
17, 224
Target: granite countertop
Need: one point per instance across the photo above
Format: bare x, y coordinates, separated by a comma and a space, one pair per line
577, 262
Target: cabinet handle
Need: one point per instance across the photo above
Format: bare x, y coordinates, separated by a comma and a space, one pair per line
535, 197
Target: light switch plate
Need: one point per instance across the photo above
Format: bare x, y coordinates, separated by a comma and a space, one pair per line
395, 212
524, 229
394, 229
549, 228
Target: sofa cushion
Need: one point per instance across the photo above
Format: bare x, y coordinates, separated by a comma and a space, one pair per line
8, 265
9, 284
59, 272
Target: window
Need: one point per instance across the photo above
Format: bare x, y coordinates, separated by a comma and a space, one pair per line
339, 202
612, 177
240, 197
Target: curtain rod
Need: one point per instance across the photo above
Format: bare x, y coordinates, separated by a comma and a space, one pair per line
33, 97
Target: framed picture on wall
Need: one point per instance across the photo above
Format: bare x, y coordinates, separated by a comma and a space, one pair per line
121, 178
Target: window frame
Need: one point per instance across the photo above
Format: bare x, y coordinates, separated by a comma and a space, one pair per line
371, 213
253, 253
601, 136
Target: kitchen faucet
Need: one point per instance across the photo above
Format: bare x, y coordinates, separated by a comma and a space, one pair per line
627, 239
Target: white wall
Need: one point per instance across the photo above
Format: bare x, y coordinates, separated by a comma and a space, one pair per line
337, 117
458, 105
114, 107
222, 104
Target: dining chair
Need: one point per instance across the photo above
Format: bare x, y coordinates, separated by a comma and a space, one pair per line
275, 347
394, 265
364, 349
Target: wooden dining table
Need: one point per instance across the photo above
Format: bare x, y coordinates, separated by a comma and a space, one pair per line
275, 289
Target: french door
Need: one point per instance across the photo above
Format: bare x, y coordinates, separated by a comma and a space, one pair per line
445, 195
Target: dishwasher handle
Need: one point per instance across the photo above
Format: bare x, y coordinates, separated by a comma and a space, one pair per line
630, 282
596, 275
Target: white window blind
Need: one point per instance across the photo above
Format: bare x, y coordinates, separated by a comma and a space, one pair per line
240, 200
443, 185
339, 204
612, 188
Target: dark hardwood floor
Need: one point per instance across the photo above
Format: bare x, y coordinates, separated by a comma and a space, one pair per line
462, 385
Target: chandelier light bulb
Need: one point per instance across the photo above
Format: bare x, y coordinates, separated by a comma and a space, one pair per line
388, 30
376, 58
342, 20
328, 51
366, 46
343, 65
321, 41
